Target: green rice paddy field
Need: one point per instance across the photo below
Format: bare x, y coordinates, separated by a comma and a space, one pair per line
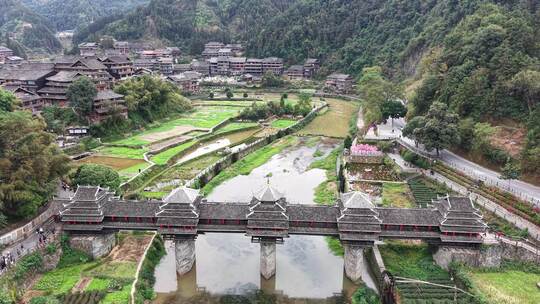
201, 118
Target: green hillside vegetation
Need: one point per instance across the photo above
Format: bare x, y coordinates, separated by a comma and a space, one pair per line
487, 73
30, 32
71, 14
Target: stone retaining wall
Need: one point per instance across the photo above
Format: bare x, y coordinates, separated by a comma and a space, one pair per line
486, 256
96, 246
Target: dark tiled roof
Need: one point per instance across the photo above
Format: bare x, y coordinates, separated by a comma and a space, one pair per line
227, 211
397, 216
312, 213
107, 94
24, 74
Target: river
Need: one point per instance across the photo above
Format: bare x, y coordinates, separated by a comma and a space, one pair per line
227, 265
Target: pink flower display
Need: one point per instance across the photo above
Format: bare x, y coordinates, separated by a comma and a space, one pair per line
364, 149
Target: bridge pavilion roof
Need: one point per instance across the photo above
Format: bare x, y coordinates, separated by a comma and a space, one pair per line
267, 215
179, 208
358, 219
87, 205
458, 215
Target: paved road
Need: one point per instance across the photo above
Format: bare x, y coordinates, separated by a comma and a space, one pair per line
521, 189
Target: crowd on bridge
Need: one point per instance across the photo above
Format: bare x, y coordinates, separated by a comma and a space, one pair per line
11, 255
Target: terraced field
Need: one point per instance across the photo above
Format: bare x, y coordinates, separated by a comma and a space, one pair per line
415, 261
421, 192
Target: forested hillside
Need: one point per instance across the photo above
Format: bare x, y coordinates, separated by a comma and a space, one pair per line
70, 14
29, 31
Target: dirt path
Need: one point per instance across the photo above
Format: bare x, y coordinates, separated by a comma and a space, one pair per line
82, 284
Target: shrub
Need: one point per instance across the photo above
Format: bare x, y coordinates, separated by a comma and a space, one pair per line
50, 249
44, 300
365, 295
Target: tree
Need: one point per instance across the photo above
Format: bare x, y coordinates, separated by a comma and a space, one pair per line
527, 84
149, 98
393, 109
245, 95
439, 129
211, 95
230, 94
30, 164
270, 80
81, 94
376, 91
97, 175
8, 101
510, 171
413, 127
347, 143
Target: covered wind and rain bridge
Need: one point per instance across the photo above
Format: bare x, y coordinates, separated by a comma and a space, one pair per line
95, 213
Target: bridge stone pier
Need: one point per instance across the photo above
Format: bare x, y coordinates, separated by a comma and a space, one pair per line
94, 214
268, 260
184, 250
353, 261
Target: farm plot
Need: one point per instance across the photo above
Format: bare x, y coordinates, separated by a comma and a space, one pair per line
107, 280
335, 121
115, 163
283, 123
201, 119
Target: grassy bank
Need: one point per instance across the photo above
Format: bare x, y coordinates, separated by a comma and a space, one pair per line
512, 283
250, 162
397, 196
146, 280
326, 193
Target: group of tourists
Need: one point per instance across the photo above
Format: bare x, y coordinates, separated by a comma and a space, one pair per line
8, 260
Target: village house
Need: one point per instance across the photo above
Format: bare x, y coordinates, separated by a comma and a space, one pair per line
4, 53
202, 67
211, 49
14, 60
295, 72
106, 104
29, 100
120, 66
187, 81
89, 67
237, 65
121, 47
87, 49
223, 65
54, 92
236, 48
213, 64
31, 77
146, 63
311, 67
166, 65
254, 67
181, 68
273, 65
339, 83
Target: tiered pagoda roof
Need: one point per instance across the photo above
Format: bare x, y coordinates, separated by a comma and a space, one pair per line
86, 206
267, 217
359, 219
458, 217
179, 210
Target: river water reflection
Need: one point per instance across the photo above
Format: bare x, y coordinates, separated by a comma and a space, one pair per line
228, 264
